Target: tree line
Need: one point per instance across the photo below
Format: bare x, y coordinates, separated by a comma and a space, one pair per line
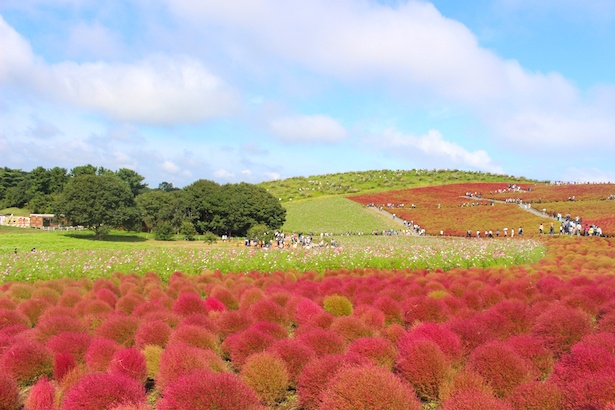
101, 199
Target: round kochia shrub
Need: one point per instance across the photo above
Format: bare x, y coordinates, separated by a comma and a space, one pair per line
99, 354
474, 400
265, 373
423, 364
377, 350
560, 327
368, 387
316, 375
129, 362
26, 361
41, 396
501, 367
154, 332
294, 354
207, 390
536, 395
322, 341
337, 305
9, 393
103, 391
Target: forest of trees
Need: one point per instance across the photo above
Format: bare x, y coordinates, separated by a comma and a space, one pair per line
101, 199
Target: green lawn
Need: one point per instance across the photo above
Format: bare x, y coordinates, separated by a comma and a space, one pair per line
334, 214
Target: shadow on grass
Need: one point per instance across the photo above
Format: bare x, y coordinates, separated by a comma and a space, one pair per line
125, 238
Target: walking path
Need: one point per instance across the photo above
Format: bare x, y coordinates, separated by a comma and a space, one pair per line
522, 206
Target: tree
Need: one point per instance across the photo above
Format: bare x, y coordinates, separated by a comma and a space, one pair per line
203, 202
98, 202
133, 179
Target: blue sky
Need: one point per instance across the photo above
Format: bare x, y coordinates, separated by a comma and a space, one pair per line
252, 90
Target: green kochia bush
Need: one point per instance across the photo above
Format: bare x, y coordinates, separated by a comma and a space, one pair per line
337, 305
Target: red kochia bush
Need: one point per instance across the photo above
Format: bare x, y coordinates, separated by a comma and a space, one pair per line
445, 338
502, 368
41, 396
202, 389
26, 361
103, 391
154, 332
9, 317
129, 362
560, 327
240, 345
316, 375
305, 309
189, 303
534, 351
119, 328
368, 387
378, 350
322, 341
474, 400
9, 393
295, 355
423, 364
536, 395
75, 343
63, 363
179, 359
33, 308
196, 336
214, 305
268, 310
99, 354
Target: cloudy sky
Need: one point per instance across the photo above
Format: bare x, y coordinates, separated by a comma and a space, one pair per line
252, 90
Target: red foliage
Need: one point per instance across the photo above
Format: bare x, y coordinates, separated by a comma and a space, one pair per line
351, 328
214, 305
103, 391
41, 396
368, 387
474, 400
63, 363
316, 375
560, 327
501, 367
26, 361
305, 310
295, 355
202, 389
196, 336
240, 345
51, 325
534, 351
536, 395
33, 308
265, 373
9, 393
424, 309
595, 392
119, 328
188, 303
447, 340
106, 296
269, 311
129, 362
99, 354
75, 343
232, 321
9, 317
322, 341
179, 359
378, 350
154, 332
422, 363
128, 303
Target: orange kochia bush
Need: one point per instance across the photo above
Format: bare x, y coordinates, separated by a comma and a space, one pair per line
538, 336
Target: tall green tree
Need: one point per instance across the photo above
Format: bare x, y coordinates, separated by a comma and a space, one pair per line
133, 179
203, 202
98, 202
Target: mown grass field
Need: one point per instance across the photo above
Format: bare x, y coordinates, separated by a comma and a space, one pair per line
334, 214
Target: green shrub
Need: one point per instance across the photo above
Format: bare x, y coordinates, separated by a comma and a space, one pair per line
188, 230
163, 232
337, 305
210, 238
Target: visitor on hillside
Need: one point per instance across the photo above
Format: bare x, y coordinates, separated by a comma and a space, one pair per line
520, 231
540, 228
551, 229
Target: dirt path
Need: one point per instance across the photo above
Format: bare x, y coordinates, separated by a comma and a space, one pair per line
522, 206
388, 215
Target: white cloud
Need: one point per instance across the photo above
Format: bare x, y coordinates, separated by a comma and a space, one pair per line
434, 150
157, 90
92, 40
272, 176
224, 174
170, 167
308, 128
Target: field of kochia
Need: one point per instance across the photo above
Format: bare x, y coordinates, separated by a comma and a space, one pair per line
381, 322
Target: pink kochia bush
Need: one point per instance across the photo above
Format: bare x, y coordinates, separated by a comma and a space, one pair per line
103, 391
207, 390
9, 392
41, 396
368, 387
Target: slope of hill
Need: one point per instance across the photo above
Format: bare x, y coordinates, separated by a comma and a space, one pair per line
373, 181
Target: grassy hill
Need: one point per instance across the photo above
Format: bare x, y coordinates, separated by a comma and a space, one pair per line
292, 189
334, 214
